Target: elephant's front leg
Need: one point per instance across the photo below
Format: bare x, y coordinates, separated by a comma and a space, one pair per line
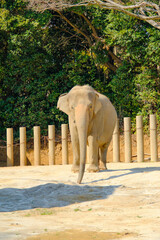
93, 154
75, 146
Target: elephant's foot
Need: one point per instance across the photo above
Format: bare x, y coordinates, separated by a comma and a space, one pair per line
75, 168
102, 166
92, 168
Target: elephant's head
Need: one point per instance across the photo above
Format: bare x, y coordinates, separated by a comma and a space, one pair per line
81, 104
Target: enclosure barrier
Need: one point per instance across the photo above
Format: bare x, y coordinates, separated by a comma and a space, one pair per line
64, 139
140, 139
51, 144
127, 140
37, 146
10, 147
116, 143
153, 138
64, 133
23, 159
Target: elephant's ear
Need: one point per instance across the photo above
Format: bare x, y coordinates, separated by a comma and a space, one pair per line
98, 104
63, 103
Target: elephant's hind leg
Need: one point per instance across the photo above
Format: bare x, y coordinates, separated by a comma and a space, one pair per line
103, 156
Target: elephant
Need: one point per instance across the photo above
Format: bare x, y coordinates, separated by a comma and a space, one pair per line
92, 119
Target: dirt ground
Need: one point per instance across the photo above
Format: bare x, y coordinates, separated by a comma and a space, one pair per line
44, 202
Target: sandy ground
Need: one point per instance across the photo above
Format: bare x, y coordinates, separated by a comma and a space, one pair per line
120, 203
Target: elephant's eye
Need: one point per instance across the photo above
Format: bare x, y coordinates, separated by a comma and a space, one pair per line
72, 107
90, 106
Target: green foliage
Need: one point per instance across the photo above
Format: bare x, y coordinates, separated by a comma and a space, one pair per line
123, 91
148, 92
136, 84
81, 69
27, 69
42, 57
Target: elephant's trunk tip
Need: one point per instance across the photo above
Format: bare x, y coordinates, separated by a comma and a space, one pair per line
81, 173
79, 181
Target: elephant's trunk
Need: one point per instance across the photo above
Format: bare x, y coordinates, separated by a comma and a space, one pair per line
82, 119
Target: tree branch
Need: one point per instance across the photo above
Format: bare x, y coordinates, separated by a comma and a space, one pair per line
89, 24
76, 29
110, 66
142, 10
113, 56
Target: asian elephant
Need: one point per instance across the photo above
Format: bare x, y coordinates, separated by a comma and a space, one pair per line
92, 119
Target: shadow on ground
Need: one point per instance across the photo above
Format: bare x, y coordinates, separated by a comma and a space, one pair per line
59, 195
50, 195
129, 171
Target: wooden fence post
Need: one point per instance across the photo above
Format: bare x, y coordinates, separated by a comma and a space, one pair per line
37, 145
153, 138
127, 139
23, 161
51, 143
10, 158
140, 139
64, 129
116, 143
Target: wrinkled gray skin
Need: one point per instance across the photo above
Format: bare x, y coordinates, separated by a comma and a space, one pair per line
92, 119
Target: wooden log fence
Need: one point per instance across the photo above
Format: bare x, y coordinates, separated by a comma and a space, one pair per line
64, 139
64, 134
127, 140
116, 143
23, 158
153, 138
140, 139
10, 159
51, 144
37, 146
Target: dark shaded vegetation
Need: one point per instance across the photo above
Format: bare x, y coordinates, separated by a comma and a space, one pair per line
43, 55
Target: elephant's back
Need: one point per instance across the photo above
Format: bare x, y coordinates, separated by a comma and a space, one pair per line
107, 106
109, 116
